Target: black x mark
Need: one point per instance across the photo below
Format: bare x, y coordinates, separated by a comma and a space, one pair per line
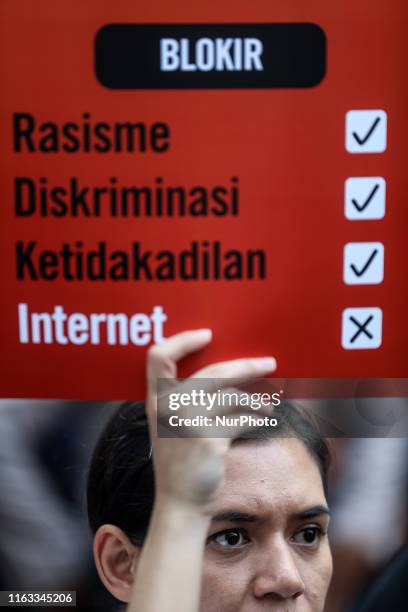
361, 328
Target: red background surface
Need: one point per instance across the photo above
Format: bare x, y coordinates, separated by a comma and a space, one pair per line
287, 147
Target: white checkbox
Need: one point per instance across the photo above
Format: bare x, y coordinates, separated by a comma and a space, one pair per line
361, 328
363, 263
366, 131
364, 198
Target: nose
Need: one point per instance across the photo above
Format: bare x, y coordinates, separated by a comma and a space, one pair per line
277, 574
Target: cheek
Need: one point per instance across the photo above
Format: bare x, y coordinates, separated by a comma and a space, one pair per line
317, 577
223, 586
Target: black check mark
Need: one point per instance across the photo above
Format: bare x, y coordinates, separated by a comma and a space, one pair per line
368, 200
363, 140
366, 265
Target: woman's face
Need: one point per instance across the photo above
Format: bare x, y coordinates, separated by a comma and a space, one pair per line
267, 546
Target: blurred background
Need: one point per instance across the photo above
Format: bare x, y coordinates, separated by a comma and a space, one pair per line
45, 543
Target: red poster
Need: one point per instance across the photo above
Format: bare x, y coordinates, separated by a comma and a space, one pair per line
239, 166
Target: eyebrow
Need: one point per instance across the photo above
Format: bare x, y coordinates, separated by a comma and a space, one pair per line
233, 516
312, 512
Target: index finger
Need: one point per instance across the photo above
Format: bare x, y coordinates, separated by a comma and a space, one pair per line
239, 369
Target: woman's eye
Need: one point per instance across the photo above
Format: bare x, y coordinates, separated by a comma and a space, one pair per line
231, 538
308, 536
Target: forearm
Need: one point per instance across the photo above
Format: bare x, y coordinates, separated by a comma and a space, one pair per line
168, 576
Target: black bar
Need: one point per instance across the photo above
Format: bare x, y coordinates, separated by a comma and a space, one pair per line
292, 55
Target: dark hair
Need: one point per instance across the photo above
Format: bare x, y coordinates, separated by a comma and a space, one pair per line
121, 478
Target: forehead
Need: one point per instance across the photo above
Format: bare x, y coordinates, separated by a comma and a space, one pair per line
271, 476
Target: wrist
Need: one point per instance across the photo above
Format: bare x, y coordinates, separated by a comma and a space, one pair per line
179, 512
